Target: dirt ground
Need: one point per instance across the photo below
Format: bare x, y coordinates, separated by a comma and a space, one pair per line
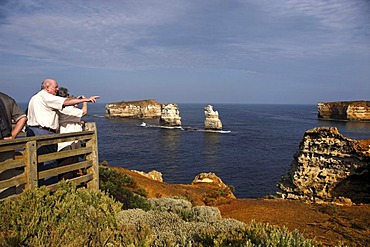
328, 224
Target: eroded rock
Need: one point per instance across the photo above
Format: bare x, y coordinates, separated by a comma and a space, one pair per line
212, 121
155, 175
134, 109
346, 110
170, 115
328, 167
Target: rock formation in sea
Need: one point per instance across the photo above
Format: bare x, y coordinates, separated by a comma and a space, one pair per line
346, 110
212, 122
170, 115
328, 167
134, 109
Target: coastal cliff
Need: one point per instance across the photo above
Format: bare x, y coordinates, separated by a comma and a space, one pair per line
134, 109
329, 167
346, 110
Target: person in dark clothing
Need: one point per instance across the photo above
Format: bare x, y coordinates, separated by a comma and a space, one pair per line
10, 113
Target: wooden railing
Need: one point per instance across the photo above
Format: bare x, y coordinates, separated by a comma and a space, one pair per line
26, 161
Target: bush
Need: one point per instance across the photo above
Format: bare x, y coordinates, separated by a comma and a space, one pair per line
67, 217
121, 187
170, 230
264, 234
167, 204
184, 209
205, 214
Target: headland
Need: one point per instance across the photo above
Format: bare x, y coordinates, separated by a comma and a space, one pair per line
344, 110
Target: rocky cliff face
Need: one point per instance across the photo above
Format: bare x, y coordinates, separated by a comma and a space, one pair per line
212, 121
348, 110
170, 115
134, 109
329, 167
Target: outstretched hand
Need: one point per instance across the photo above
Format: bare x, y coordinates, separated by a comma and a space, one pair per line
93, 99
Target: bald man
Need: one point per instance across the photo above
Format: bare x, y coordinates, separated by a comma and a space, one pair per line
44, 106
43, 116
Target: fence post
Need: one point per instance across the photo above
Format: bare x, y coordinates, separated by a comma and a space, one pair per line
93, 143
30, 160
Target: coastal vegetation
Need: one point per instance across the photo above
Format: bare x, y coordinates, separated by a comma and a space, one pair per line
119, 216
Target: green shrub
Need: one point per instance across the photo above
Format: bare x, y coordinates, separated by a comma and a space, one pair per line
168, 204
264, 234
184, 209
67, 217
121, 187
205, 214
170, 230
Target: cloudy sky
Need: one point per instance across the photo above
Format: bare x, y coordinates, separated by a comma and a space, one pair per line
183, 51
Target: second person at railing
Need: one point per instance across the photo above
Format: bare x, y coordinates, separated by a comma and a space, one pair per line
70, 121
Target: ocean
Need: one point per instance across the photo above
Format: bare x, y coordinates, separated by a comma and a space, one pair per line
252, 157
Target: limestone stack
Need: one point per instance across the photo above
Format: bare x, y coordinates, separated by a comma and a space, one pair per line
344, 110
329, 167
212, 121
170, 115
134, 109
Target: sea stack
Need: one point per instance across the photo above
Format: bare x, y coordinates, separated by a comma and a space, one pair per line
170, 115
212, 121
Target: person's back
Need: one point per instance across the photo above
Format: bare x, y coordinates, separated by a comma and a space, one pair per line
5, 128
10, 111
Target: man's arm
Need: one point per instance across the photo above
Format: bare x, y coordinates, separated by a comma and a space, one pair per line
17, 128
74, 101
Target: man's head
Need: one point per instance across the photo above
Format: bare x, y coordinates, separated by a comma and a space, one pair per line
50, 86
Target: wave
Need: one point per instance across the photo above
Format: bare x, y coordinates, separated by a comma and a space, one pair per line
96, 115
185, 129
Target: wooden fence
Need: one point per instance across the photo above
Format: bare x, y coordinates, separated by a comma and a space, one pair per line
27, 159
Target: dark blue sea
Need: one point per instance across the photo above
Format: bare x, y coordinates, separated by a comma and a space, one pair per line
252, 157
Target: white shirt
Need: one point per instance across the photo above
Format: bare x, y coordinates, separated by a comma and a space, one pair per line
43, 108
69, 121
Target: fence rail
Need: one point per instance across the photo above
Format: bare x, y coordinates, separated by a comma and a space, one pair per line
22, 170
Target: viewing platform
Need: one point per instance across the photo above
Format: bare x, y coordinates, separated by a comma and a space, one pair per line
25, 164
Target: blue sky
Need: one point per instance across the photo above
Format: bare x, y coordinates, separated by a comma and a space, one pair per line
188, 51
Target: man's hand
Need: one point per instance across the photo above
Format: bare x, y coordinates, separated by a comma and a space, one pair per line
93, 98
